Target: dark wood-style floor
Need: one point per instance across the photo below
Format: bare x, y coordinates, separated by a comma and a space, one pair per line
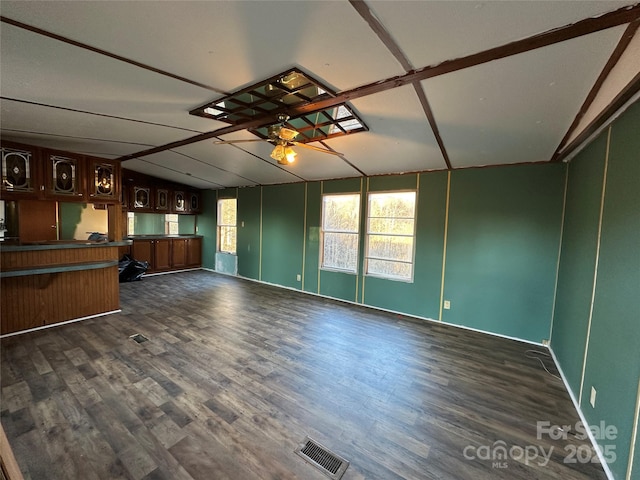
235, 374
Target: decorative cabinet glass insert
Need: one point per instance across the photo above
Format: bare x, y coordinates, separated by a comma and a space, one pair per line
17, 169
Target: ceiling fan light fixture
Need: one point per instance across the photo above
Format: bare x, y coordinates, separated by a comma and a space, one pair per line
278, 153
289, 155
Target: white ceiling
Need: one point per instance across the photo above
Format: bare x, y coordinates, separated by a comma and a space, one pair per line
512, 110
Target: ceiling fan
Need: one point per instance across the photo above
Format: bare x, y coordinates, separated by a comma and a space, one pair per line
283, 139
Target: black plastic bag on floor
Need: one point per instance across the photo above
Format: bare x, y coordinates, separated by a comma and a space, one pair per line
130, 270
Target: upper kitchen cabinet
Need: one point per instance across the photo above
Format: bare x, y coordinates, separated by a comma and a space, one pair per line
141, 198
20, 171
104, 180
194, 202
179, 201
64, 177
46, 174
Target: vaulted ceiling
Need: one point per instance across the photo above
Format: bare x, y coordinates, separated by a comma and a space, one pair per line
439, 84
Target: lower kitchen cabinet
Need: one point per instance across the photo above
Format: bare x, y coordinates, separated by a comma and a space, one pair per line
167, 254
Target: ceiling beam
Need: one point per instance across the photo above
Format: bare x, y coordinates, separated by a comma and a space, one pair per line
627, 93
583, 27
626, 38
385, 37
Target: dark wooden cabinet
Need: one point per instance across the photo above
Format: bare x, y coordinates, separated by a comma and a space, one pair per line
140, 198
64, 177
194, 202
194, 252
179, 253
103, 180
162, 255
142, 250
47, 174
42, 225
166, 254
162, 200
179, 202
20, 175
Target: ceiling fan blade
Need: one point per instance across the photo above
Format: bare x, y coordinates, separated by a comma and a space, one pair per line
224, 142
317, 149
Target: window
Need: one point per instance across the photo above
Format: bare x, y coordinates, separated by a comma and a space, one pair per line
391, 235
171, 224
340, 229
227, 225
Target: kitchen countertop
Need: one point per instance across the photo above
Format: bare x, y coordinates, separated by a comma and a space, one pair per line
16, 246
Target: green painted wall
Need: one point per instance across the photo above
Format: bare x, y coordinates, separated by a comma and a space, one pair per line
69, 215
613, 347
207, 227
249, 232
503, 240
148, 223
283, 234
577, 259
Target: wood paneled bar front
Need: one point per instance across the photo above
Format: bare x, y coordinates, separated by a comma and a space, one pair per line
52, 282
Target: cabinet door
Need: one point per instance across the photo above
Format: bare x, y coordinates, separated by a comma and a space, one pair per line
162, 255
141, 199
194, 252
179, 252
195, 202
19, 173
162, 200
179, 202
142, 250
64, 177
42, 221
103, 180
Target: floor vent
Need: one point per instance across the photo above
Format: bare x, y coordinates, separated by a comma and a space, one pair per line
332, 465
139, 338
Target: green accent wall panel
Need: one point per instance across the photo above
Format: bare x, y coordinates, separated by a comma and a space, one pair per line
503, 239
187, 224
345, 185
422, 297
283, 234
577, 259
227, 193
382, 183
312, 245
338, 285
613, 361
208, 228
248, 241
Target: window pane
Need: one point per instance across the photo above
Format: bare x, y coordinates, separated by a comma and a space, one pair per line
397, 226
340, 231
389, 269
340, 251
391, 247
227, 211
227, 239
395, 204
341, 213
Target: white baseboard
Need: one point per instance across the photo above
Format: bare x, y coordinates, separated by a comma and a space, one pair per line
35, 329
603, 462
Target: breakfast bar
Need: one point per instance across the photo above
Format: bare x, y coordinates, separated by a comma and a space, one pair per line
46, 283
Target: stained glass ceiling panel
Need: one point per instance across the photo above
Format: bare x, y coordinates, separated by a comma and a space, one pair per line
275, 95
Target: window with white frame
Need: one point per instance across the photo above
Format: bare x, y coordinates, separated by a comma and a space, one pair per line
340, 232
391, 219
227, 229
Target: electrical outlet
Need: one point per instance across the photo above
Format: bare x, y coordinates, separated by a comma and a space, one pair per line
592, 399
242, 223
447, 304
298, 277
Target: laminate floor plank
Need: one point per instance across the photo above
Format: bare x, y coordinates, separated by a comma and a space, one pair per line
235, 374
